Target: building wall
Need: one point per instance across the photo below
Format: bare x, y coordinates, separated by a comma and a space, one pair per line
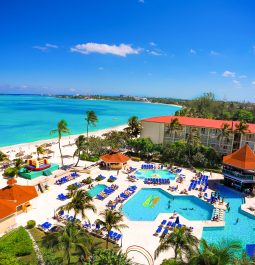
154, 131
159, 133
7, 223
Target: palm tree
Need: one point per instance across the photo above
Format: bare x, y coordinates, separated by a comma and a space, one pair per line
241, 128
80, 144
181, 240
40, 150
220, 254
112, 219
224, 133
80, 202
193, 137
3, 157
173, 127
134, 127
244, 260
69, 238
91, 119
61, 129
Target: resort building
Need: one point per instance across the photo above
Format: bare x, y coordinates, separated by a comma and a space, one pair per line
114, 160
210, 132
14, 199
239, 169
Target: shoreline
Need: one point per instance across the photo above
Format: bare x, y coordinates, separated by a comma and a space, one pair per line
68, 138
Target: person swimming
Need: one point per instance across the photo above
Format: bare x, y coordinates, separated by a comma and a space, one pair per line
184, 209
191, 209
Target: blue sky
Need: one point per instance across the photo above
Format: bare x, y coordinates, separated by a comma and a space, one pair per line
173, 48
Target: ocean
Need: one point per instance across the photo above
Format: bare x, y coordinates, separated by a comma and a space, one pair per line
28, 118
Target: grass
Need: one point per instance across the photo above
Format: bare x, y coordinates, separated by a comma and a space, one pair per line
56, 256
17, 243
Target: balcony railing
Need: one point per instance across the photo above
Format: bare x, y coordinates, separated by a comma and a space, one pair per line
238, 175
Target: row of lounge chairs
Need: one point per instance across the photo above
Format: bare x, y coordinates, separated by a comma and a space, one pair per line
148, 166
156, 181
66, 179
176, 170
130, 170
194, 183
122, 197
106, 192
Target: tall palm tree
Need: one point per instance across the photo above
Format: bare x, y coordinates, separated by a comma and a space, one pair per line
80, 202
224, 133
40, 150
222, 253
61, 129
91, 119
193, 137
134, 127
69, 239
80, 145
111, 219
173, 127
181, 240
241, 128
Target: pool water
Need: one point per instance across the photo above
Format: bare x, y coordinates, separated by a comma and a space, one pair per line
244, 230
149, 202
96, 190
154, 173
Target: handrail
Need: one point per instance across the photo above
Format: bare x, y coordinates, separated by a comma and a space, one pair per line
142, 251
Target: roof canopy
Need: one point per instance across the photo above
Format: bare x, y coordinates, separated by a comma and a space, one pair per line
6, 208
198, 122
114, 158
18, 194
243, 158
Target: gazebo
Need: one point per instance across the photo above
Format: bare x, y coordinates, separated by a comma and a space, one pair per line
239, 168
114, 160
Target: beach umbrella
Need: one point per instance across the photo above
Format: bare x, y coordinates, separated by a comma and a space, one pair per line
177, 221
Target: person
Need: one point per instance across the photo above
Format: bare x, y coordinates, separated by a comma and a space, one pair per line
237, 220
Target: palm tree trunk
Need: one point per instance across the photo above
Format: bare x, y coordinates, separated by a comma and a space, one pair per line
107, 240
176, 252
79, 153
68, 258
59, 146
87, 137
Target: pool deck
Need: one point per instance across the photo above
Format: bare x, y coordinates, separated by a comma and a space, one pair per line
139, 232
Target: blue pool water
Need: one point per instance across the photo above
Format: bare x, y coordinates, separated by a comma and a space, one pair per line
26, 118
96, 190
244, 230
138, 207
155, 173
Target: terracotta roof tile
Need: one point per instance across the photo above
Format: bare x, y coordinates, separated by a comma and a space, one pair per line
243, 158
6, 208
114, 158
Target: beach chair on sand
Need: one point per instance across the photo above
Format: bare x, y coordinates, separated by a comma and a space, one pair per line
163, 223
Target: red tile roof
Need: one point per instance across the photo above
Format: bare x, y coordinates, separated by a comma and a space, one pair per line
243, 158
198, 122
114, 158
6, 209
18, 194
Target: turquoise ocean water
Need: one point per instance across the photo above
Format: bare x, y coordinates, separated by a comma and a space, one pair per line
27, 118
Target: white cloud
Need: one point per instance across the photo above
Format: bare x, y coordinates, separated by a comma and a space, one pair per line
214, 53
229, 74
72, 89
153, 44
213, 73
45, 47
48, 45
120, 50
237, 83
155, 53
41, 48
192, 51
253, 83
242, 76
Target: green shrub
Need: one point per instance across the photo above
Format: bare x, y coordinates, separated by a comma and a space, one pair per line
98, 178
135, 158
87, 157
110, 180
10, 172
88, 180
72, 187
16, 243
31, 224
7, 259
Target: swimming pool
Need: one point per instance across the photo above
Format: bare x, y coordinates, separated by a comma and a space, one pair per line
154, 173
96, 190
243, 230
149, 202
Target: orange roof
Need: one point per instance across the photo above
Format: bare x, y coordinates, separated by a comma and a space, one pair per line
243, 158
6, 208
114, 158
18, 194
198, 122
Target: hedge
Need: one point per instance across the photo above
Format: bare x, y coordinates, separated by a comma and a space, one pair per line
16, 243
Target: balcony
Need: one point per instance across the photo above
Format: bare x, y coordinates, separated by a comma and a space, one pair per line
237, 175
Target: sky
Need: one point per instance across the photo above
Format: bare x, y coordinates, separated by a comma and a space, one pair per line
161, 48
